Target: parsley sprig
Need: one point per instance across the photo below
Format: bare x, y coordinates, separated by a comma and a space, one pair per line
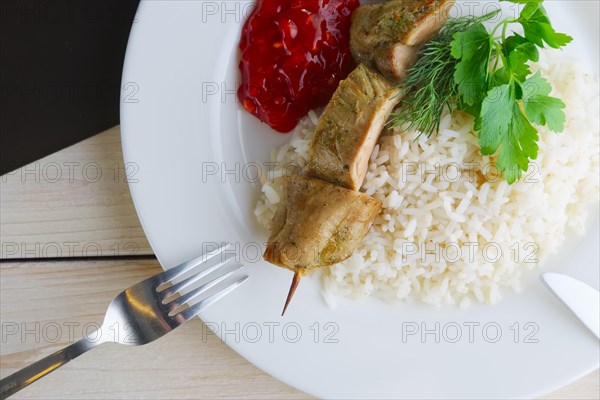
491, 79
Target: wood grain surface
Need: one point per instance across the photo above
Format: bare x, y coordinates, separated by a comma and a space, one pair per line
72, 203
45, 305
52, 290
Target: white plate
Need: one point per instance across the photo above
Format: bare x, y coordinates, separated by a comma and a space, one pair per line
175, 128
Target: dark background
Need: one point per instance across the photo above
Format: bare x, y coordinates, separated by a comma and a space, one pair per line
60, 73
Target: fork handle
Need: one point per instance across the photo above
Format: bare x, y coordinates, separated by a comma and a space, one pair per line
26, 376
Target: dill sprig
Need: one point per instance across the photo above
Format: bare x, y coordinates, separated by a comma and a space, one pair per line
429, 87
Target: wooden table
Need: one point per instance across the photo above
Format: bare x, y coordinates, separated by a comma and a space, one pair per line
70, 241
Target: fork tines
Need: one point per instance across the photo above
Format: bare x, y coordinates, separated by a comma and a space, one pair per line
173, 295
201, 305
178, 271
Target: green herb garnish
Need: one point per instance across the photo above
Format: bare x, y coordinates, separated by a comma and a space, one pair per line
429, 87
486, 74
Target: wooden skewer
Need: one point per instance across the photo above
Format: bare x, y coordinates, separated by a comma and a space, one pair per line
295, 282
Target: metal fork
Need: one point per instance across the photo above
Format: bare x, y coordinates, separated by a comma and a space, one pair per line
143, 313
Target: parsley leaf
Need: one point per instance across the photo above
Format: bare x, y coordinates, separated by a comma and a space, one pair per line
538, 30
540, 108
530, 9
518, 59
519, 145
473, 49
515, 100
503, 126
499, 77
518, 42
496, 117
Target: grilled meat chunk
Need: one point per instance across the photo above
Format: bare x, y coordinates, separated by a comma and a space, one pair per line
350, 127
318, 224
387, 36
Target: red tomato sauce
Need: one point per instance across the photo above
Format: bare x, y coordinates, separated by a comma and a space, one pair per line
294, 53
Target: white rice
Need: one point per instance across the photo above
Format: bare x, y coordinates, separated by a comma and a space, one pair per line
445, 235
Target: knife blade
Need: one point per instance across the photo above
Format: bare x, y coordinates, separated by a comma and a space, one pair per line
582, 299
